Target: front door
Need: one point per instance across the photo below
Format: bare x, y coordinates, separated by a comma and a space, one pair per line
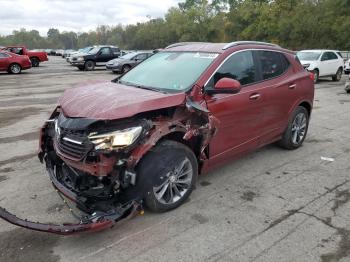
241, 115
103, 56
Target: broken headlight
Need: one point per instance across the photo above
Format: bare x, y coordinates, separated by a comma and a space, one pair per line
114, 139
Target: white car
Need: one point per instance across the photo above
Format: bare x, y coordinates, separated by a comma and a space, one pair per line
347, 67
323, 63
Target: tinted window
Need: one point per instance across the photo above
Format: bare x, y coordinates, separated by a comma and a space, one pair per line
116, 51
239, 66
329, 56
273, 64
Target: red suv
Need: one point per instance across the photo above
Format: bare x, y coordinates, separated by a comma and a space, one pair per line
143, 138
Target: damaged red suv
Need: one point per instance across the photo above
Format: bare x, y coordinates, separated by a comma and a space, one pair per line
142, 139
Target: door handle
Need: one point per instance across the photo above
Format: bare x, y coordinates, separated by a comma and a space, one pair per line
293, 86
254, 96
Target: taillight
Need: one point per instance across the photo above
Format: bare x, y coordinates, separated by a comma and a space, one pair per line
312, 76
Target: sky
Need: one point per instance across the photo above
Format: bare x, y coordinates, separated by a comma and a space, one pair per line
77, 15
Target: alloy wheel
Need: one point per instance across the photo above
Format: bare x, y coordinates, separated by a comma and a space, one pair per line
177, 183
15, 69
299, 128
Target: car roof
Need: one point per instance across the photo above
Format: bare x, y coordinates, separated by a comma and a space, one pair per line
318, 50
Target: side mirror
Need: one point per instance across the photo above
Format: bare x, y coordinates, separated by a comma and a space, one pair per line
225, 86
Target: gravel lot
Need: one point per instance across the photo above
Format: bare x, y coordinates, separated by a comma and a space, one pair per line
272, 205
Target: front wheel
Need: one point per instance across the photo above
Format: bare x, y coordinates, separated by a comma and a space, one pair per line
168, 173
297, 128
338, 75
89, 65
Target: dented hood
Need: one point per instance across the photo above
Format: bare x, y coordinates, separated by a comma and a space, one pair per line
109, 101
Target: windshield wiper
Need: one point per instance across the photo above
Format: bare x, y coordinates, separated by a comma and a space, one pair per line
141, 86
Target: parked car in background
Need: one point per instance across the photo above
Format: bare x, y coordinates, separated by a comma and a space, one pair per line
12, 63
53, 52
345, 55
323, 63
59, 52
124, 63
67, 52
35, 57
80, 52
96, 57
144, 138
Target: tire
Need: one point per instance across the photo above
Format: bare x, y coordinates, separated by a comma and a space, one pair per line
89, 65
337, 76
126, 68
296, 131
35, 61
316, 76
160, 171
14, 69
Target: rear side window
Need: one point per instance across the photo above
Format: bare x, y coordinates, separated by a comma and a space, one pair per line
273, 64
239, 66
329, 56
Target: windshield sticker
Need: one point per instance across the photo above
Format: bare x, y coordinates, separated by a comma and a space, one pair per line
206, 55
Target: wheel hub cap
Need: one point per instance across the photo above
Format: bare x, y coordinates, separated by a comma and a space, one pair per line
299, 128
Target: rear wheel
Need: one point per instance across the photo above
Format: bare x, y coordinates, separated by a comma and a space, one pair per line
168, 174
35, 61
338, 75
14, 69
297, 128
89, 65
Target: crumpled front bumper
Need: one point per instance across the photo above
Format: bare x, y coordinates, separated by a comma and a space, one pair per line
90, 224
98, 221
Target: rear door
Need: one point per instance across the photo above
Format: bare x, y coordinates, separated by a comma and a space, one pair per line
4, 61
240, 115
327, 64
280, 91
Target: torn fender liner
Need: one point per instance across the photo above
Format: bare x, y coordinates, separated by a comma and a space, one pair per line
96, 222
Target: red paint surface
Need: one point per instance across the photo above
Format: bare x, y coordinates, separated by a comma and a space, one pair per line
107, 100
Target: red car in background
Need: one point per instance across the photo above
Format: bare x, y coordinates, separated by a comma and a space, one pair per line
35, 57
13, 63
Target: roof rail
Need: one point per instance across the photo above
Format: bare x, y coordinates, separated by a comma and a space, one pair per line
232, 44
184, 43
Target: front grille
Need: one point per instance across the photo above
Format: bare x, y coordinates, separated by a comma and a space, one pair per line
74, 59
73, 144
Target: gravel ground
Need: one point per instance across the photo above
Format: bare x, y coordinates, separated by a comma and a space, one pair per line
271, 205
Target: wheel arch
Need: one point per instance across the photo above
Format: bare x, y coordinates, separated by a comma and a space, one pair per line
307, 106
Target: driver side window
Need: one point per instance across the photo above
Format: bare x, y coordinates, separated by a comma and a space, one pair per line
105, 51
239, 66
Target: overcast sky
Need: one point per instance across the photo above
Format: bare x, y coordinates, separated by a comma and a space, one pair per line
77, 15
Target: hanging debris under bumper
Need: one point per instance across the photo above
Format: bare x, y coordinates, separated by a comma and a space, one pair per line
95, 222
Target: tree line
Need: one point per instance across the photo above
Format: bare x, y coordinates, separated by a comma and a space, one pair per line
294, 24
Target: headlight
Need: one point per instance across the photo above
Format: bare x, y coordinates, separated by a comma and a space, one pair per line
80, 59
116, 63
115, 139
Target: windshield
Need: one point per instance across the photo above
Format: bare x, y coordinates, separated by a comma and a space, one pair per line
309, 56
169, 71
128, 56
94, 50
